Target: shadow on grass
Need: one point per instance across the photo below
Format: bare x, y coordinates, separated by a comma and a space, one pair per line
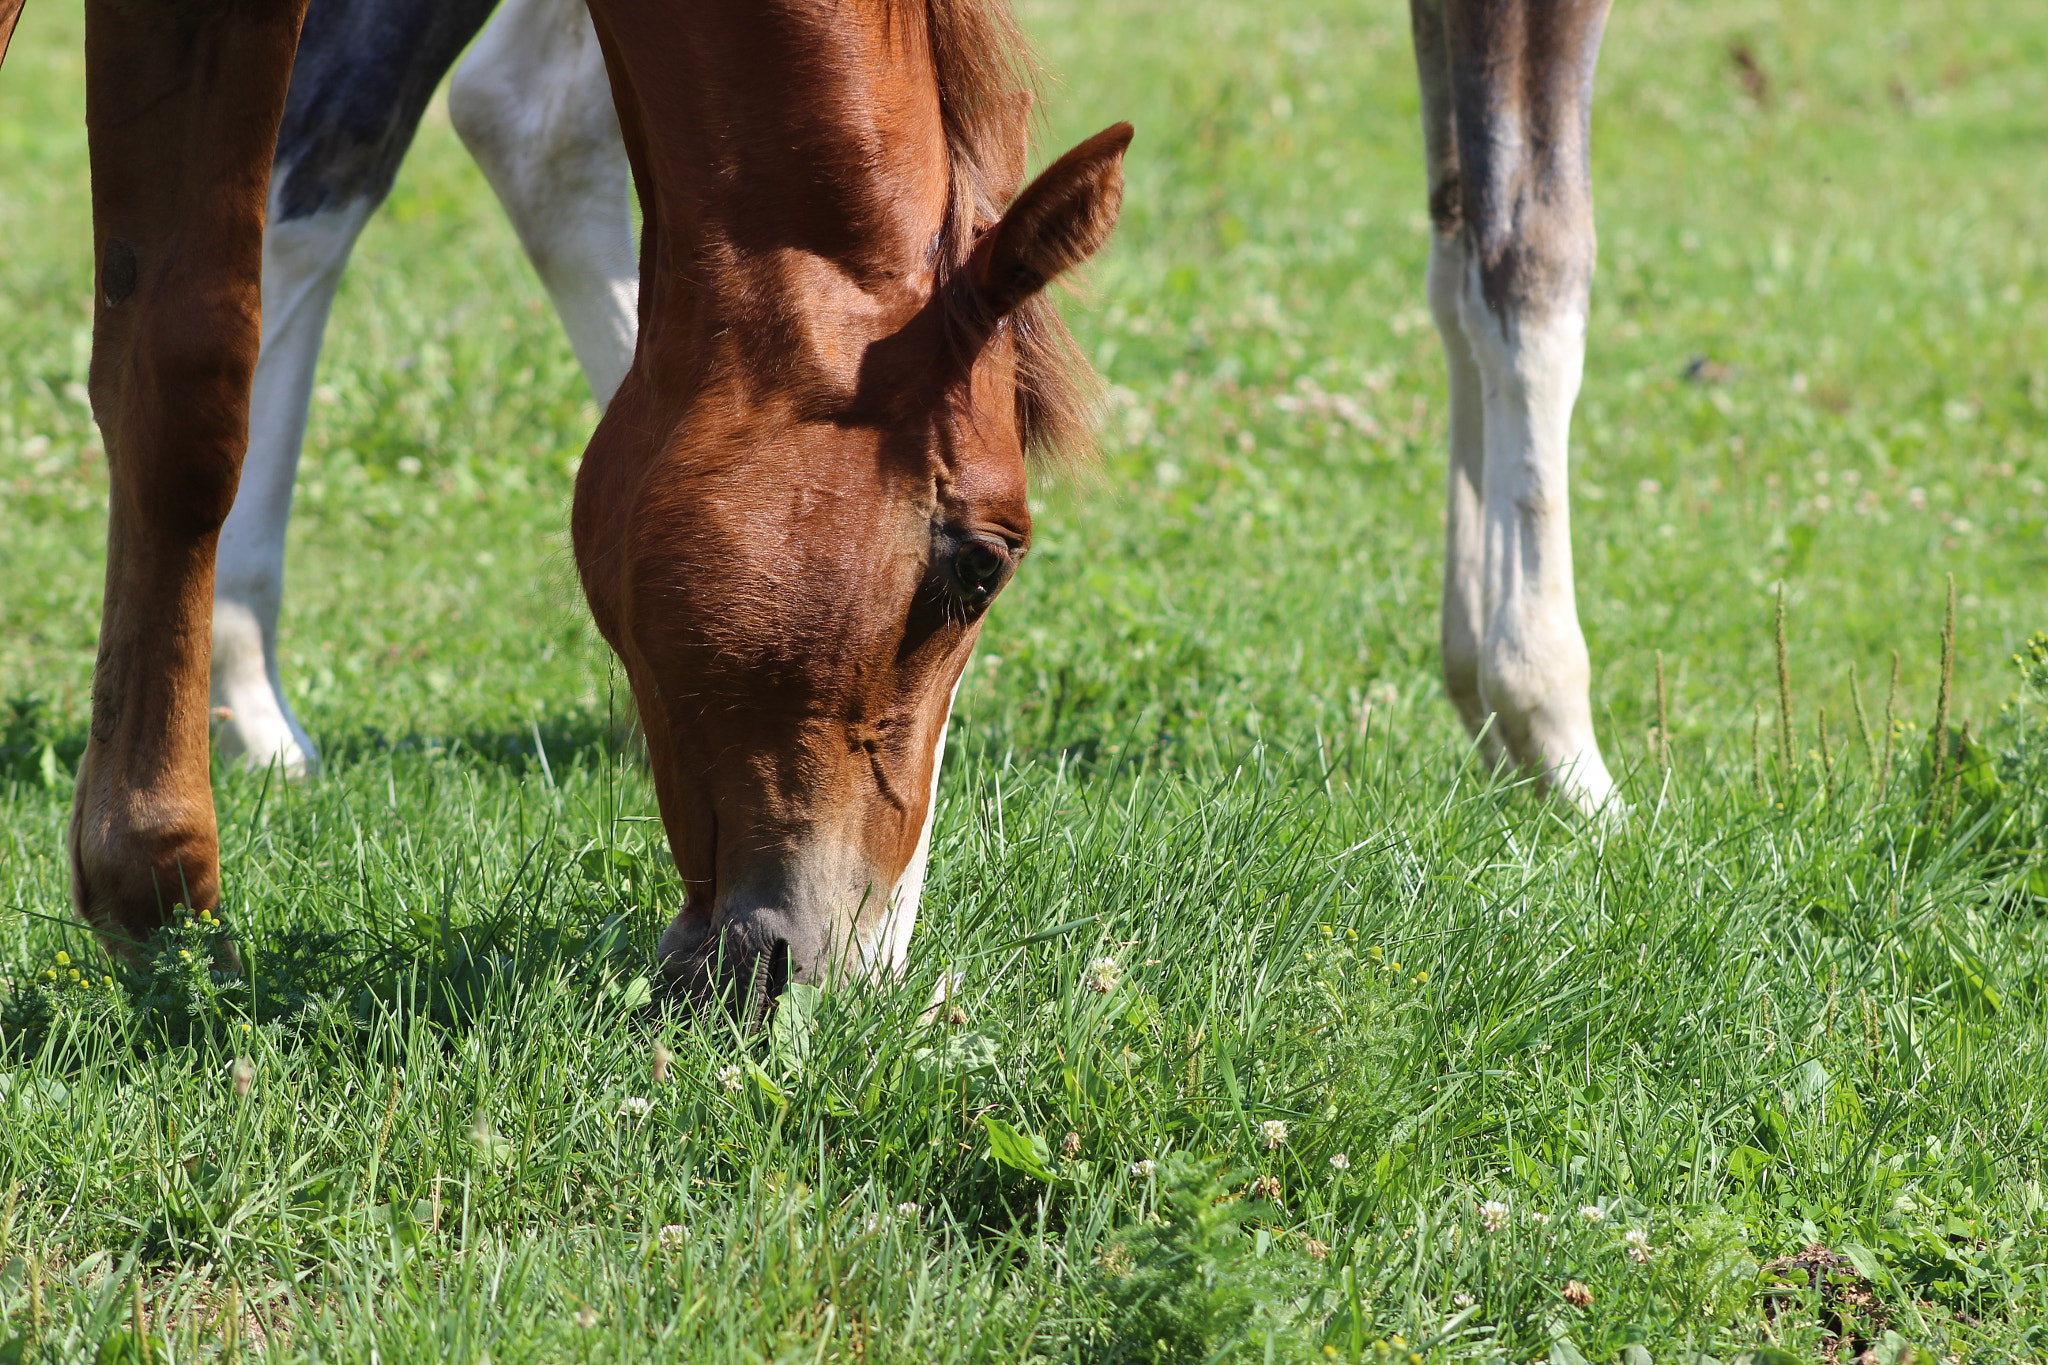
38, 749
556, 741
316, 986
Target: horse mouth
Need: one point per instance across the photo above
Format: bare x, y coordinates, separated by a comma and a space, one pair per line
725, 969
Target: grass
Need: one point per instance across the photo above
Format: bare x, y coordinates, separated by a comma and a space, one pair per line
1787, 1005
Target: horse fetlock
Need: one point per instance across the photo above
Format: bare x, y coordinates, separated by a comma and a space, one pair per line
252, 720
135, 856
1538, 704
1460, 655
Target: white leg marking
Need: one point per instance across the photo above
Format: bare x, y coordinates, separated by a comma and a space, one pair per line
302, 264
1534, 675
888, 952
1464, 606
533, 105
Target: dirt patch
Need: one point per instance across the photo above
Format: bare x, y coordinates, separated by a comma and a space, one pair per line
1851, 1310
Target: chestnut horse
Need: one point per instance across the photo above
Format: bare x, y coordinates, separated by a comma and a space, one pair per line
797, 509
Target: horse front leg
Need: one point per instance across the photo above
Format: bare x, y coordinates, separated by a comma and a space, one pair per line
182, 108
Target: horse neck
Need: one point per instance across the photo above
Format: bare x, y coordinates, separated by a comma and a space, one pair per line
792, 159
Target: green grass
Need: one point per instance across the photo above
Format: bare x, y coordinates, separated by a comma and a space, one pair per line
1203, 738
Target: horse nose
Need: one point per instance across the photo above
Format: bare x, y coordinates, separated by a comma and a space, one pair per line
730, 966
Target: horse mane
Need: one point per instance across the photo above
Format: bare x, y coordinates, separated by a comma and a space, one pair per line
983, 64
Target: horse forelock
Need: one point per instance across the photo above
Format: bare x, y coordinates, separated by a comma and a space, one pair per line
984, 67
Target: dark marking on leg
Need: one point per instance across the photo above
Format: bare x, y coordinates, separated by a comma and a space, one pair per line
1446, 206
1521, 79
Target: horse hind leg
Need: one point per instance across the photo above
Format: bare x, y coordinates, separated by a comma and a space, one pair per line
303, 258
533, 104
1516, 272
364, 73
1464, 603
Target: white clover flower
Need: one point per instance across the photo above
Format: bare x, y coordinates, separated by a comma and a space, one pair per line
1273, 1132
634, 1107
732, 1077
586, 1318
1103, 974
1541, 1220
1593, 1213
1638, 1245
908, 1209
1341, 1162
1462, 1300
1493, 1215
1143, 1169
672, 1236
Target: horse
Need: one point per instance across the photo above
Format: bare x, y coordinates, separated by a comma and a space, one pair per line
795, 512
1506, 102
531, 103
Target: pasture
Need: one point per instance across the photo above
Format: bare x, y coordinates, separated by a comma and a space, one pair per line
1285, 1031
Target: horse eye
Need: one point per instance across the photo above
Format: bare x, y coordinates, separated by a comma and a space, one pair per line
977, 569
980, 564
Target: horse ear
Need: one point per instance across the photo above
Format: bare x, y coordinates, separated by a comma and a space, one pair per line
1060, 220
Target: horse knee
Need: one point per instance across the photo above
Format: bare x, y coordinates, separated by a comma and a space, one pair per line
170, 399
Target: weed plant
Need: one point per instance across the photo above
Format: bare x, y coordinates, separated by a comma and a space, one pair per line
1282, 1031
